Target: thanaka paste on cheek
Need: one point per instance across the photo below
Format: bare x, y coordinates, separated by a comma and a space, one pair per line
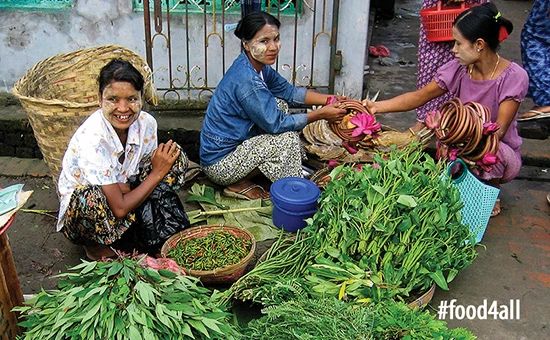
257, 51
107, 107
463, 49
136, 107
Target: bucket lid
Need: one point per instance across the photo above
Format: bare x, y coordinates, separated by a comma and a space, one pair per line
294, 192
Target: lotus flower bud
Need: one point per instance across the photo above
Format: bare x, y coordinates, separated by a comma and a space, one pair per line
330, 100
433, 119
490, 159
489, 128
349, 147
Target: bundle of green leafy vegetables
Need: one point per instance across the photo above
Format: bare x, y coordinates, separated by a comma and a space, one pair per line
386, 231
330, 318
122, 299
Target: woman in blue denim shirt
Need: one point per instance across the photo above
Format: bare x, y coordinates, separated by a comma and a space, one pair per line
247, 129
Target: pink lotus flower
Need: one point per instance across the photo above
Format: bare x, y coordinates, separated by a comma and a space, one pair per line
349, 148
489, 128
452, 154
366, 124
490, 159
487, 162
375, 165
441, 150
432, 119
330, 100
333, 164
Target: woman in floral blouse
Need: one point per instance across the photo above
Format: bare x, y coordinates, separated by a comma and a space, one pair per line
111, 167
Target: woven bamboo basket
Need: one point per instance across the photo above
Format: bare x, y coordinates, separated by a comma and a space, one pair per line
423, 300
59, 92
224, 275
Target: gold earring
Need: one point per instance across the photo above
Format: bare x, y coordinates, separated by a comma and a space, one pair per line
479, 50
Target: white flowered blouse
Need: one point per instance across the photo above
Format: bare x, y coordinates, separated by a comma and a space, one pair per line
92, 157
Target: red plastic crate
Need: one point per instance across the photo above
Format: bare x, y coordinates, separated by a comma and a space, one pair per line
438, 21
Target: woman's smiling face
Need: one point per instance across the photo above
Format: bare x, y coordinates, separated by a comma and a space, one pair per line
265, 46
121, 104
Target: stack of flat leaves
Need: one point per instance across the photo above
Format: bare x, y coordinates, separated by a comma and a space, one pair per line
124, 299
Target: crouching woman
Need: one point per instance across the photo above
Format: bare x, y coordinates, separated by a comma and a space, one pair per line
113, 170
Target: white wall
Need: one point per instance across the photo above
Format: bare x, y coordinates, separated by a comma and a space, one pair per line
352, 41
29, 37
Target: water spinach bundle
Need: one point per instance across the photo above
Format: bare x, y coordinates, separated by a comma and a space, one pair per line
397, 219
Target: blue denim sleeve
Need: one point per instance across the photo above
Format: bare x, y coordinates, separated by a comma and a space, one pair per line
300, 121
260, 106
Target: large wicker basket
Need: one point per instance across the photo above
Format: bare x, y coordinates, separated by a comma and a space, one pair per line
59, 92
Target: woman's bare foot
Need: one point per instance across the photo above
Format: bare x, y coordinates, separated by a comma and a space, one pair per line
246, 189
495, 182
496, 208
535, 111
99, 251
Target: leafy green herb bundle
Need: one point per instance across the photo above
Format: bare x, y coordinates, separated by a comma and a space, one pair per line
286, 261
123, 300
214, 250
387, 231
329, 318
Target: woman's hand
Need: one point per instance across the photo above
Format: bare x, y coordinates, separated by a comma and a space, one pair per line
336, 98
406, 101
316, 98
370, 105
332, 113
164, 157
121, 200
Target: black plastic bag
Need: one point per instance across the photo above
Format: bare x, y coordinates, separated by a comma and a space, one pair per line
157, 219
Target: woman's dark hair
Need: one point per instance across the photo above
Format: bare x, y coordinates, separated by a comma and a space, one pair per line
120, 70
483, 21
251, 23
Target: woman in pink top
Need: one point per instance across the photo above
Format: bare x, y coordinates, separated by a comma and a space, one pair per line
431, 56
478, 74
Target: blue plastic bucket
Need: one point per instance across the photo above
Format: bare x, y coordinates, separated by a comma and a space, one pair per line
294, 200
